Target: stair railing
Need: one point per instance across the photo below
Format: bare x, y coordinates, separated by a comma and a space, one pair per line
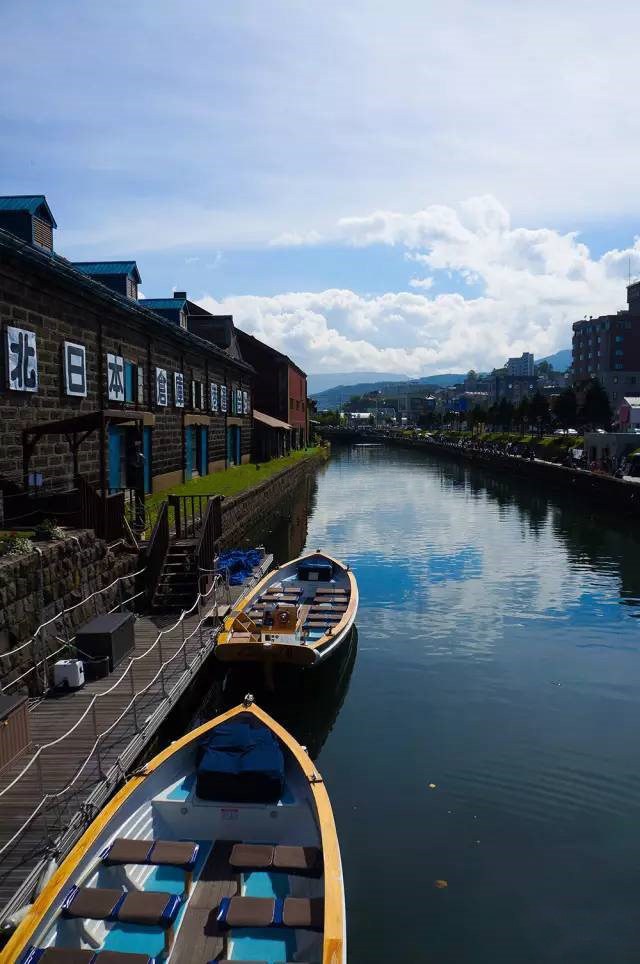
210, 535
157, 551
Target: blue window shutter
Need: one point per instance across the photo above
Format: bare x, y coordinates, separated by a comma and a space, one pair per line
128, 382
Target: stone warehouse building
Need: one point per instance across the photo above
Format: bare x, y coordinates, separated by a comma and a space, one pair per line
93, 378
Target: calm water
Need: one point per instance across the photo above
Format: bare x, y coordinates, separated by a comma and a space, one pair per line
497, 658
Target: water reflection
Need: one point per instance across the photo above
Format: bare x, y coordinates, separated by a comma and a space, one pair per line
497, 659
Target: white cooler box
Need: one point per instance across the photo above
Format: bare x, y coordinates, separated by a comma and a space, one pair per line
68, 673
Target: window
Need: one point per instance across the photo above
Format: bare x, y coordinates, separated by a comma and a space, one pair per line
615, 379
619, 351
614, 395
619, 366
631, 379
619, 337
132, 289
183, 319
130, 381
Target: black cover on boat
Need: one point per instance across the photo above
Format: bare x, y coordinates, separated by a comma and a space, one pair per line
315, 568
240, 763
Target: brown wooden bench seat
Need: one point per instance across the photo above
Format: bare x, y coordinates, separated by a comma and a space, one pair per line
154, 909
303, 912
285, 858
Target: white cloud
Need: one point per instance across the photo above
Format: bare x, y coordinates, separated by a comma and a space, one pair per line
536, 283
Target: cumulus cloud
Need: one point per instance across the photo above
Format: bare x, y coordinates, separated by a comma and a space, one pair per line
535, 281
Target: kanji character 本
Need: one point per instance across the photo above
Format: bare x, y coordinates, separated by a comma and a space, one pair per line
116, 383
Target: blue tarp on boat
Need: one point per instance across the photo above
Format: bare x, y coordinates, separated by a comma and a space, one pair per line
239, 563
242, 763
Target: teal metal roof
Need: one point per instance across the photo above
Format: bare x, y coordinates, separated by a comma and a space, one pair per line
33, 203
109, 267
175, 303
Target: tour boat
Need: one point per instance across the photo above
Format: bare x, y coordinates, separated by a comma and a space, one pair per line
222, 848
298, 614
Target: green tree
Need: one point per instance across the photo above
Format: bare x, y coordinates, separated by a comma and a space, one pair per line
522, 414
544, 368
566, 408
539, 411
505, 414
595, 409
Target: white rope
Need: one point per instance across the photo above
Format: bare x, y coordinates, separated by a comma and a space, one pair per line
98, 696
63, 612
60, 793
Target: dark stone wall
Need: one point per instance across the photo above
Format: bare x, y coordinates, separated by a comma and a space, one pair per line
38, 585
242, 511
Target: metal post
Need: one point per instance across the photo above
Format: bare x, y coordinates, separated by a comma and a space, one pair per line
133, 693
95, 733
42, 792
164, 691
184, 648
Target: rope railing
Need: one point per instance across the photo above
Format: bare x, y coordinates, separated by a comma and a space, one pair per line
201, 597
63, 612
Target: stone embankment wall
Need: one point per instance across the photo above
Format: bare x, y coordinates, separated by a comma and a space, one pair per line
38, 585
241, 512
604, 492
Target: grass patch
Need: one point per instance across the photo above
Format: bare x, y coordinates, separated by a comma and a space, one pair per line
231, 481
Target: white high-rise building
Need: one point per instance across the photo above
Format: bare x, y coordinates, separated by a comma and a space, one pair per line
521, 366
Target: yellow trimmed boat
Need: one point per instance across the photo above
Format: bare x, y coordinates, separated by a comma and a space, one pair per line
222, 848
299, 614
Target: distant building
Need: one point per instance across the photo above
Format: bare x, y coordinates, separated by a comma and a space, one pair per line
629, 413
608, 348
513, 388
522, 366
280, 386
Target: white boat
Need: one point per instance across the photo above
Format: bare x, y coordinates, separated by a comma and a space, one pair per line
299, 614
222, 848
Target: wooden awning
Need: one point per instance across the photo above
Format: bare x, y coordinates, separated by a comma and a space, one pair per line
270, 420
85, 423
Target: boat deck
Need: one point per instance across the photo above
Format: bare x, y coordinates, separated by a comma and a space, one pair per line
200, 937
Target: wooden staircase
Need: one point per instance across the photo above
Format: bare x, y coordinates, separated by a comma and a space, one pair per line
177, 586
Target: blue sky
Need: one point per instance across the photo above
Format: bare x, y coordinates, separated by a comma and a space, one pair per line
407, 186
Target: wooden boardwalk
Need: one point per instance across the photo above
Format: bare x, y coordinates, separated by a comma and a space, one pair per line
57, 767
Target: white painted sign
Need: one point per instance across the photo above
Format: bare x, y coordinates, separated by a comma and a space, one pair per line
140, 385
223, 398
75, 369
178, 389
245, 403
22, 360
161, 387
239, 402
214, 397
115, 378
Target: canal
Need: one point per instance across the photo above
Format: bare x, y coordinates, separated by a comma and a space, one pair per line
480, 740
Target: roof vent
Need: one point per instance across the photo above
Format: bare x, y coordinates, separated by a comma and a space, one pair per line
180, 294
29, 217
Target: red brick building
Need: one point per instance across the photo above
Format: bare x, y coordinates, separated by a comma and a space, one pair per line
280, 387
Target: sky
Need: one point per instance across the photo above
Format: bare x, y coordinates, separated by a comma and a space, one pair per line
408, 186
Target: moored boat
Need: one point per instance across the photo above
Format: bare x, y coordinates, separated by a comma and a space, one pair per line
223, 847
298, 614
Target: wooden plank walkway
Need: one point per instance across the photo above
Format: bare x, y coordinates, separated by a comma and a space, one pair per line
57, 767
200, 937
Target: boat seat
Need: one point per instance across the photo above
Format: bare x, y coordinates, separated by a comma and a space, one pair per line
303, 912
297, 859
156, 853
251, 856
57, 955
282, 857
130, 907
168, 853
66, 955
248, 911
307, 912
332, 591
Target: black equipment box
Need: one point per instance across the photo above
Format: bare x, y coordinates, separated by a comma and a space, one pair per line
110, 635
